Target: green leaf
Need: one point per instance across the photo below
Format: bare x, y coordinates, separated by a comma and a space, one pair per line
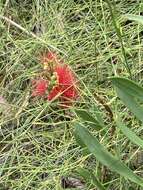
90, 178
129, 134
86, 116
136, 18
131, 103
81, 143
128, 86
104, 156
129, 92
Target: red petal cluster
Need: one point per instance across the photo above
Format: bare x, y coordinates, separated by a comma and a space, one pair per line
40, 87
66, 87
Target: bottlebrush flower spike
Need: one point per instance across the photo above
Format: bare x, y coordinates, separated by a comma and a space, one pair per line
66, 87
60, 82
40, 87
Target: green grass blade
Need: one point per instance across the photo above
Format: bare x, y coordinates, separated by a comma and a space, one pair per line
136, 18
90, 178
118, 31
129, 134
104, 156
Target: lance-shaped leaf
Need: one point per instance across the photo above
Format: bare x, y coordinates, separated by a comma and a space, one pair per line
90, 178
128, 86
129, 133
129, 92
86, 116
104, 156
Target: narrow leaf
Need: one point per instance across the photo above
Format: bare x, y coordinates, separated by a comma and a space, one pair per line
128, 86
129, 92
129, 134
81, 143
86, 116
90, 178
131, 103
105, 157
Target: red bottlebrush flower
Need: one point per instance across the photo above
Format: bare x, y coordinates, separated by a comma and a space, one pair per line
54, 92
40, 87
66, 84
60, 80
